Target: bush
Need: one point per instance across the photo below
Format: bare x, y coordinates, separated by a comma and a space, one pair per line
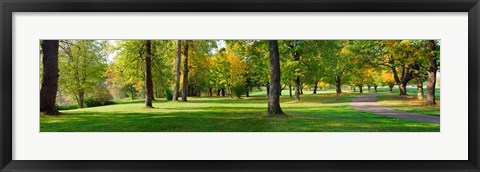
168, 94
92, 102
238, 90
99, 97
67, 107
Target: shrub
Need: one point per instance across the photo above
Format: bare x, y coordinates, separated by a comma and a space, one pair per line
92, 102
99, 97
168, 94
238, 90
67, 107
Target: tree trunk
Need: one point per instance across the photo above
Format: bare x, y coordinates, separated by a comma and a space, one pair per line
354, 89
338, 85
406, 75
48, 92
218, 92
178, 63
247, 91
148, 74
274, 109
419, 89
368, 88
361, 88
290, 89
223, 92
432, 75
315, 87
268, 89
403, 89
297, 88
210, 93
375, 88
81, 97
185, 73
390, 88
132, 94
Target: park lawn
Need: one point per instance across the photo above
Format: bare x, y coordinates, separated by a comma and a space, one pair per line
409, 103
321, 112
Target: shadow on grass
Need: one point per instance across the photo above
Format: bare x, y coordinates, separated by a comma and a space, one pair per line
339, 118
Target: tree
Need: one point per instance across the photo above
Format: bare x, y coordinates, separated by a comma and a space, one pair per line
295, 49
148, 74
198, 63
219, 72
336, 61
163, 58
82, 64
126, 72
432, 72
387, 79
274, 109
48, 92
185, 71
399, 56
177, 70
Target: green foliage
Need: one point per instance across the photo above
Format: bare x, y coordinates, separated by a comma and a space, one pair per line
99, 97
66, 107
168, 94
81, 66
87, 66
238, 90
126, 73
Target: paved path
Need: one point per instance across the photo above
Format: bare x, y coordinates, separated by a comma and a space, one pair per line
368, 103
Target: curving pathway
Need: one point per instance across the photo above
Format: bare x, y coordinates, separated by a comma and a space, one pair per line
368, 103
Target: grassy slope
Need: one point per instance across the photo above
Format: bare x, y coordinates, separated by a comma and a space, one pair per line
222, 114
409, 103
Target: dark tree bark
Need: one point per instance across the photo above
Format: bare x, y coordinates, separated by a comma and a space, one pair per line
48, 92
419, 88
80, 97
281, 90
432, 75
268, 89
368, 88
406, 76
218, 92
354, 89
390, 88
185, 73
210, 92
375, 88
315, 87
297, 88
178, 63
338, 84
148, 74
223, 92
403, 89
274, 109
360, 88
247, 91
290, 89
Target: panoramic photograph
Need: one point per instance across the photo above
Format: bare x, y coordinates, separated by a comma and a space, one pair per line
239, 85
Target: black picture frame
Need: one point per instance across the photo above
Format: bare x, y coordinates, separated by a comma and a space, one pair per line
9, 6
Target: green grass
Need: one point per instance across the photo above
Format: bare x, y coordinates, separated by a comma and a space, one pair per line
408, 103
321, 112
